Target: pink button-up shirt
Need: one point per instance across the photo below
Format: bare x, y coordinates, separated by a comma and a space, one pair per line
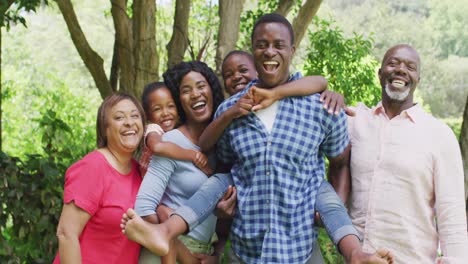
406, 172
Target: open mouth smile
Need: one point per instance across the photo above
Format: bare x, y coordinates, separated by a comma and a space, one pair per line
270, 66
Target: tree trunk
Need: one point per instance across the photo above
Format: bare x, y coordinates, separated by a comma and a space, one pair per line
179, 40
284, 6
115, 66
124, 39
91, 59
303, 19
464, 145
146, 55
228, 31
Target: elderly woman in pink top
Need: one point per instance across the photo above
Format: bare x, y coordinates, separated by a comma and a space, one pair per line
100, 187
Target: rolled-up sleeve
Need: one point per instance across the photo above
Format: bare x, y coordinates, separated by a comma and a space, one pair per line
154, 184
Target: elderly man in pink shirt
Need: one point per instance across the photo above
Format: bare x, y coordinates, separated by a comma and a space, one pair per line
407, 173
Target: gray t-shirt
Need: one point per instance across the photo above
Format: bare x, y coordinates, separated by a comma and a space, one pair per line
172, 182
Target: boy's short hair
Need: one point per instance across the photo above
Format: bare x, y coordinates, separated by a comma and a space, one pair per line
237, 52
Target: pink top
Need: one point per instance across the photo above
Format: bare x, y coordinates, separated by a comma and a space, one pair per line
96, 187
405, 172
147, 153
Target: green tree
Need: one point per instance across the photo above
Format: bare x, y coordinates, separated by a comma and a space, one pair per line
347, 63
136, 58
10, 13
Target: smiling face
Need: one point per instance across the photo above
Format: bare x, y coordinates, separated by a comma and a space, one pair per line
163, 110
399, 74
238, 71
272, 51
196, 98
124, 127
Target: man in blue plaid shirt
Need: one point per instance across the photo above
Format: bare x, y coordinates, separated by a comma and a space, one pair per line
278, 156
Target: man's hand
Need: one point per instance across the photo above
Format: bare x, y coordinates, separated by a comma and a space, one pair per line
227, 205
333, 102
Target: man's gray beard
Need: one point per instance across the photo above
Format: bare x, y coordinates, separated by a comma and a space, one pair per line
397, 96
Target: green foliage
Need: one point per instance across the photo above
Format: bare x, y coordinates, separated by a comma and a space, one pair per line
328, 249
47, 127
31, 191
248, 19
203, 30
447, 21
455, 124
13, 14
345, 62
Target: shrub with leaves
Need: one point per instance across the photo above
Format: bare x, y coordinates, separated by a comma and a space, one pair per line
347, 63
31, 185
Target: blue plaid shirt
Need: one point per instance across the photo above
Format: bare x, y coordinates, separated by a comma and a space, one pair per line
277, 175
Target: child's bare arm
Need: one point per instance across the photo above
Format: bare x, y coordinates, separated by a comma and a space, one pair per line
304, 86
173, 151
215, 129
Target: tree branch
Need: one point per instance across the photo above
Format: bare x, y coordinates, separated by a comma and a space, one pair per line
228, 31
115, 67
284, 6
178, 43
124, 40
146, 55
303, 19
91, 59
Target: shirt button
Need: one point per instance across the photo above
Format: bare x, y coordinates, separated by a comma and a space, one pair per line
268, 173
269, 143
267, 201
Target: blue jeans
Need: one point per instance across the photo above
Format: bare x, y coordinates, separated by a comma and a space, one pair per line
332, 211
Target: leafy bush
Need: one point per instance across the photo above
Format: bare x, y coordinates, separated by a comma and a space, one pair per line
58, 129
347, 63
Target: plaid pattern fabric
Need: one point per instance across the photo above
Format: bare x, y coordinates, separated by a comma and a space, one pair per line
277, 175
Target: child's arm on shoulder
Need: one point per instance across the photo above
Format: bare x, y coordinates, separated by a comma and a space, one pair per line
173, 151
215, 129
304, 86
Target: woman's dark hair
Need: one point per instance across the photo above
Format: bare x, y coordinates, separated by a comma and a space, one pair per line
149, 89
173, 77
103, 111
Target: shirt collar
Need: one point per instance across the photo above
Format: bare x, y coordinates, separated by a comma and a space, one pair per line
413, 113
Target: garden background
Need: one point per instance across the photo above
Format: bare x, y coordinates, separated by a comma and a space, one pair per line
59, 58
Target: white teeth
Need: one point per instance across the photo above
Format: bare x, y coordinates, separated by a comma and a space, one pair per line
129, 133
398, 83
167, 122
270, 62
198, 104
